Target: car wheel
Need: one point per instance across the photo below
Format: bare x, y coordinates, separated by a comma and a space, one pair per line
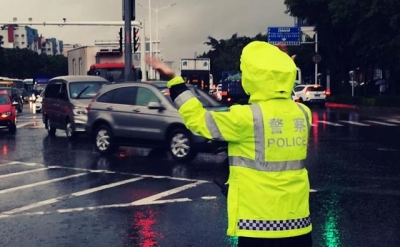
180, 146
50, 130
103, 140
69, 131
12, 128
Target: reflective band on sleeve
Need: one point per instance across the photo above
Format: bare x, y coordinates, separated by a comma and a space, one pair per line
305, 114
259, 133
212, 127
266, 166
183, 97
274, 225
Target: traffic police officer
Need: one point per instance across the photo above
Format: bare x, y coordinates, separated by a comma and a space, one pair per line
268, 198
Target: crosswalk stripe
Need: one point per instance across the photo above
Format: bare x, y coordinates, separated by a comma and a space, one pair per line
21, 173
354, 123
393, 121
76, 194
41, 183
330, 123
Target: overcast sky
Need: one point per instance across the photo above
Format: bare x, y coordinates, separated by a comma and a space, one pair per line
183, 28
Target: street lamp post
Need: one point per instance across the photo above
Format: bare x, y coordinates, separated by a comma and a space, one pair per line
156, 10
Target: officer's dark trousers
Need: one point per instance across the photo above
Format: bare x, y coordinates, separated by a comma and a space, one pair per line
300, 241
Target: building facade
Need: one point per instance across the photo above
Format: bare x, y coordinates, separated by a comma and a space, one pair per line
24, 37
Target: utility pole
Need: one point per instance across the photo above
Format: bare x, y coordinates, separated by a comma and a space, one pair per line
128, 16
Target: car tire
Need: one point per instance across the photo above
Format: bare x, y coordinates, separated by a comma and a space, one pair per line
103, 140
180, 145
50, 130
69, 131
12, 128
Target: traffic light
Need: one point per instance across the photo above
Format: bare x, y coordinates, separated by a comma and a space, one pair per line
135, 39
120, 40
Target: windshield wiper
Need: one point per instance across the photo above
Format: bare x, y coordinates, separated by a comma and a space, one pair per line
81, 92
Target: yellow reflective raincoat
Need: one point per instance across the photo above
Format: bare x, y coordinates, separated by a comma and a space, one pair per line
267, 145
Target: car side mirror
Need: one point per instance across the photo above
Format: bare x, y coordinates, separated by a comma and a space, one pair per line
155, 106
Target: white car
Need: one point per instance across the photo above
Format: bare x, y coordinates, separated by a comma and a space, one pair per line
312, 94
38, 102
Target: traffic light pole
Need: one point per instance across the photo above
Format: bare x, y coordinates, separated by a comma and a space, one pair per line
128, 40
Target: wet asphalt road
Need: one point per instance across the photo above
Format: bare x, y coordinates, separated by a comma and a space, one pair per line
57, 193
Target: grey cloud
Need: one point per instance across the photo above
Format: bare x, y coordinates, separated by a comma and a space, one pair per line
189, 22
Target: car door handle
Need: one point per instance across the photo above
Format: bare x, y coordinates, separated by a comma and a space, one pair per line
136, 110
110, 108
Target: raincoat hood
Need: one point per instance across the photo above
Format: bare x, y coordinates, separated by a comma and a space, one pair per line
267, 72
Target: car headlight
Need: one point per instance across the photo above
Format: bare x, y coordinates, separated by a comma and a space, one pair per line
80, 111
6, 114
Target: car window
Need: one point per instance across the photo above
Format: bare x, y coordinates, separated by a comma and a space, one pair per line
298, 89
84, 89
52, 90
315, 89
106, 97
144, 96
4, 99
123, 96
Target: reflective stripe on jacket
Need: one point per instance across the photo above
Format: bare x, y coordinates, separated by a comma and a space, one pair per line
267, 145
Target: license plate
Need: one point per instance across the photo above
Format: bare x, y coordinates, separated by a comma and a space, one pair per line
316, 95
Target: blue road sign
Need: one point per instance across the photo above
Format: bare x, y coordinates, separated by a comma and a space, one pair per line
284, 35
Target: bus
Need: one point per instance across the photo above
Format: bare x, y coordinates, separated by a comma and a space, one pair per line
6, 82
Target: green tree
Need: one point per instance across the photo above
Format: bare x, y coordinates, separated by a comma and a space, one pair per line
354, 34
24, 63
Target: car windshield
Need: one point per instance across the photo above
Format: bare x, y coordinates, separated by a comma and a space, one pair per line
4, 99
8, 90
85, 89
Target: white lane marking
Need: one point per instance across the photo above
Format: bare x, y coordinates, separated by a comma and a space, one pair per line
129, 174
313, 191
76, 194
380, 123
393, 120
330, 123
388, 149
24, 124
108, 186
21, 173
80, 209
152, 198
354, 123
10, 163
41, 183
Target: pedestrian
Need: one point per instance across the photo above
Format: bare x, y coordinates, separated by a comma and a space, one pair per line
268, 197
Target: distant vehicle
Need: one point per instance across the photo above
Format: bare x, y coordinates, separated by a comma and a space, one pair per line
6, 82
38, 102
312, 94
65, 102
142, 114
8, 116
113, 72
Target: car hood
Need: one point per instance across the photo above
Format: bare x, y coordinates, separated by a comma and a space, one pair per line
5, 108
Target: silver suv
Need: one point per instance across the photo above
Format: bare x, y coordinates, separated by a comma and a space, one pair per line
143, 115
65, 101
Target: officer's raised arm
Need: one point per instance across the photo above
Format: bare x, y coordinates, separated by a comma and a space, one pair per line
212, 125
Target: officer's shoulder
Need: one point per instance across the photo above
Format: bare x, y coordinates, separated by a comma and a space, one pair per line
304, 106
